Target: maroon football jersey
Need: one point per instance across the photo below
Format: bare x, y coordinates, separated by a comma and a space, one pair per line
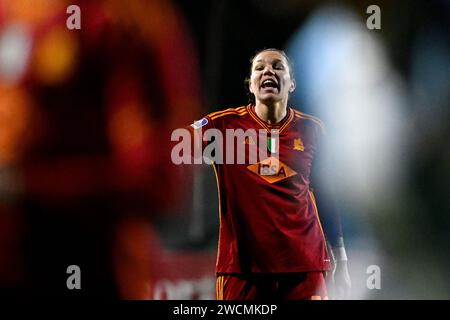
268, 216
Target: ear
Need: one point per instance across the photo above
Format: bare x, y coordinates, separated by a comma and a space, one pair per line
250, 87
293, 86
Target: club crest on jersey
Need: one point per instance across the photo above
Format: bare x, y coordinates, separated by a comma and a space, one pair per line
298, 145
199, 123
272, 170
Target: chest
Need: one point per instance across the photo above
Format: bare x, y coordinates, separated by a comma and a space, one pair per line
272, 156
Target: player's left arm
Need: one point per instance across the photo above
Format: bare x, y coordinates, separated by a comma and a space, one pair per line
331, 221
330, 216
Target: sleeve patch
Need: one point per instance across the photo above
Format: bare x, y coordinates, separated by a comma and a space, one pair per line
199, 123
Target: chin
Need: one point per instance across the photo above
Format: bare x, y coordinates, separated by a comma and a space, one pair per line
270, 98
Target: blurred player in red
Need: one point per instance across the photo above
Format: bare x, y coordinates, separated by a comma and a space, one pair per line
84, 116
271, 242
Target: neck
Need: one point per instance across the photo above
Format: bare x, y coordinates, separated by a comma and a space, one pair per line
271, 113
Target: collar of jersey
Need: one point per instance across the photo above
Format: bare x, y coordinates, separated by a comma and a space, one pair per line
280, 125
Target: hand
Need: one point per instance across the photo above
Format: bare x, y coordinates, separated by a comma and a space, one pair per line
341, 279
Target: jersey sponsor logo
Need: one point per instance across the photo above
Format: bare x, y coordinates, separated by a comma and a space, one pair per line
199, 123
298, 145
272, 170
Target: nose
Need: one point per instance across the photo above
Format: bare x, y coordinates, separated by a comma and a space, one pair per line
268, 71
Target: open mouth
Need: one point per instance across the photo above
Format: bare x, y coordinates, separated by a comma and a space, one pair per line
269, 83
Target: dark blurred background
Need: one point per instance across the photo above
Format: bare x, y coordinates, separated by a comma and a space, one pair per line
86, 116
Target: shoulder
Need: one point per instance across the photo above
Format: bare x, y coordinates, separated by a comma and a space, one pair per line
310, 120
228, 113
219, 118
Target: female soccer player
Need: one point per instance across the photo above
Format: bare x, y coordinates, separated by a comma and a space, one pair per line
271, 241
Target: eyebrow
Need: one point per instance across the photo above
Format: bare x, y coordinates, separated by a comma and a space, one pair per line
274, 60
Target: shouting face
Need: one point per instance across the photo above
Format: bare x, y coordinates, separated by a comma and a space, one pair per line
270, 79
